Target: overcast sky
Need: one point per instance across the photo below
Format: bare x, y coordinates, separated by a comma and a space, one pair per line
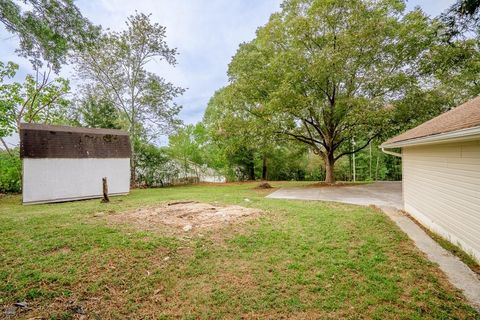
205, 32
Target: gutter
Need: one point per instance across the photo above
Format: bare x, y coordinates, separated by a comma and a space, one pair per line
396, 154
463, 134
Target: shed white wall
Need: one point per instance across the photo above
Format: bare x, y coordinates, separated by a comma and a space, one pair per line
441, 189
52, 179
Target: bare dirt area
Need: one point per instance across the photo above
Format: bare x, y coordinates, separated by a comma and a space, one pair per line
185, 216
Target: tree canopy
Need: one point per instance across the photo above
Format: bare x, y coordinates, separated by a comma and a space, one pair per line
117, 66
38, 99
328, 73
47, 30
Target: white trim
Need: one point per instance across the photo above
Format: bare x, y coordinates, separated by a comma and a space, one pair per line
459, 135
430, 224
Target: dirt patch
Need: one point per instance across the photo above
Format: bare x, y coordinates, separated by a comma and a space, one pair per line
264, 185
59, 250
185, 215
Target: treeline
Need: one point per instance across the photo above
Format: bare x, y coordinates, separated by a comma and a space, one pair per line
311, 97
283, 160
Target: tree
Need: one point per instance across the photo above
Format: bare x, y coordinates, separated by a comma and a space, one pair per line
241, 135
154, 166
39, 99
188, 146
47, 30
7, 105
96, 111
117, 64
462, 18
323, 72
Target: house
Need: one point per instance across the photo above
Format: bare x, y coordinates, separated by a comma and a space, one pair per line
441, 174
62, 163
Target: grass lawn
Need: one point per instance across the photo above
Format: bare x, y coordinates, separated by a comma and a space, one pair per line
301, 260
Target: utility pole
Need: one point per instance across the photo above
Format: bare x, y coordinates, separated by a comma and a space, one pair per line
370, 166
353, 158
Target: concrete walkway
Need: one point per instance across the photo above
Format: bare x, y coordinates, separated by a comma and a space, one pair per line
457, 272
387, 196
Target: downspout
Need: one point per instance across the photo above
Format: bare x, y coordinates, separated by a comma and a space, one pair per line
396, 154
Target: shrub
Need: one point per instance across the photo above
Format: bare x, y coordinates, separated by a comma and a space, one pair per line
10, 172
153, 166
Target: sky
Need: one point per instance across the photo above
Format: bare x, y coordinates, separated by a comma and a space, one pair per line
206, 34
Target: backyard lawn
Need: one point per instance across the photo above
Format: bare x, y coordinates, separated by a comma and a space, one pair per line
298, 259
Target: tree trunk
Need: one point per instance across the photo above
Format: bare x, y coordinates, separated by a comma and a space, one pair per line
251, 171
133, 177
264, 168
6, 147
329, 168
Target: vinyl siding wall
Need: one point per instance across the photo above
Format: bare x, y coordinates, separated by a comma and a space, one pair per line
441, 189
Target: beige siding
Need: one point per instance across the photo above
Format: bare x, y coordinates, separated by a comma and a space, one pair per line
441, 189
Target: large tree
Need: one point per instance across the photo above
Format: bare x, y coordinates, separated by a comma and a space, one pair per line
117, 64
324, 72
47, 30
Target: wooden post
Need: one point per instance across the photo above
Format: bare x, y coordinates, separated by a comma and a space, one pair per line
105, 190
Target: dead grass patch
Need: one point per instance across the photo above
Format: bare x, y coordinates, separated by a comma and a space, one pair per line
185, 216
59, 250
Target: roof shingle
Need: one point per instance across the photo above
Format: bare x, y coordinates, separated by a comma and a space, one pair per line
465, 116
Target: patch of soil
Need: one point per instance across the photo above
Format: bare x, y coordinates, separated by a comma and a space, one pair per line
59, 250
264, 185
185, 215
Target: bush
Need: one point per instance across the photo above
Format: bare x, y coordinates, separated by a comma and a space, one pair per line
153, 166
10, 172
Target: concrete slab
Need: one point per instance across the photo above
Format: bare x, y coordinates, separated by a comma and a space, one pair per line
385, 193
388, 196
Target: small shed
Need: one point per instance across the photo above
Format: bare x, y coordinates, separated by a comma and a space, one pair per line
62, 163
441, 174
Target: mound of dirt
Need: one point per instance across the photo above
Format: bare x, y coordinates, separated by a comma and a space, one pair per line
264, 185
185, 215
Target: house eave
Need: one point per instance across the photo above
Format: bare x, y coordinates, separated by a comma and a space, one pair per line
454, 136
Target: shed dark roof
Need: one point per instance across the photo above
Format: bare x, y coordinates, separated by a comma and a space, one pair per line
49, 127
465, 116
48, 141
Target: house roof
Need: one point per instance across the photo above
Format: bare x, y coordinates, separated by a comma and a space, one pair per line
47, 141
460, 120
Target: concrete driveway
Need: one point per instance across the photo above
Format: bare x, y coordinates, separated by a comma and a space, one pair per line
382, 194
